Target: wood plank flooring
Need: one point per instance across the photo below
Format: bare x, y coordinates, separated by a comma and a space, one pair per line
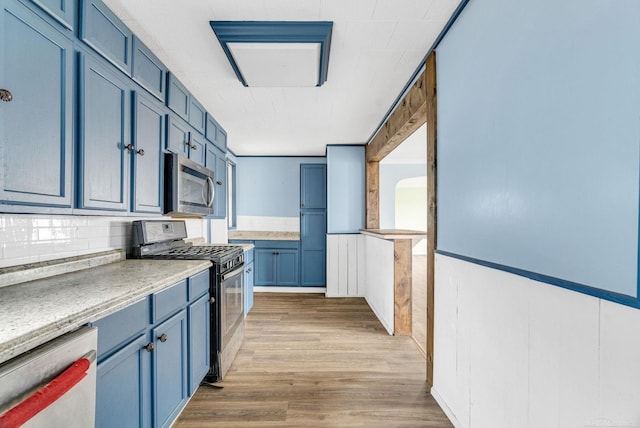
310, 361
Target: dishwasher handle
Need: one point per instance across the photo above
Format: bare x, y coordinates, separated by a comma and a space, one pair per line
48, 394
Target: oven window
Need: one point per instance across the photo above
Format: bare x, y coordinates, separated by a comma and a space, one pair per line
233, 309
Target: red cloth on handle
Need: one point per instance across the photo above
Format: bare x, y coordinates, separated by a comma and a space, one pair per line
42, 398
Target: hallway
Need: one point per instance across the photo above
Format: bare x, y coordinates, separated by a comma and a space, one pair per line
312, 361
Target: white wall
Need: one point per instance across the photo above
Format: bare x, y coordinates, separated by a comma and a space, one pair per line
390, 175
34, 238
379, 264
513, 352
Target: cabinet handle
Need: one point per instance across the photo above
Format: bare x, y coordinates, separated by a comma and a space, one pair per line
130, 147
193, 146
163, 337
140, 152
249, 270
301, 214
212, 300
6, 95
149, 347
219, 183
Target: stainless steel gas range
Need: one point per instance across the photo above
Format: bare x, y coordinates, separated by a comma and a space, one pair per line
165, 239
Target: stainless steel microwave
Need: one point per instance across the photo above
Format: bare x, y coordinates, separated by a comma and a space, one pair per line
188, 187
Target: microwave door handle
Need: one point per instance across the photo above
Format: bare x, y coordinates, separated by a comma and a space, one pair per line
203, 193
212, 192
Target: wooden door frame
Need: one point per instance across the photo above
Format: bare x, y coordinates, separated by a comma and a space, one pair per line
417, 107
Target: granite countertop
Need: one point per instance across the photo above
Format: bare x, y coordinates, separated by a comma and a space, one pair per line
394, 233
263, 235
37, 311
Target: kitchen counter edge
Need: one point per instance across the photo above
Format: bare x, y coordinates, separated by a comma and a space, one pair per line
36, 312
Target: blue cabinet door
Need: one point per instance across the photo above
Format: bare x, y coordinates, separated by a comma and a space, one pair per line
221, 138
148, 71
170, 368
265, 266
61, 10
123, 386
102, 30
248, 284
287, 267
313, 186
177, 97
104, 159
211, 128
221, 187
177, 136
36, 126
148, 140
198, 313
313, 229
197, 148
197, 115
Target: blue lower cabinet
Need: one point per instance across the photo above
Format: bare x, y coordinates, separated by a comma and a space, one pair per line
277, 266
147, 369
313, 264
123, 387
198, 314
170, 368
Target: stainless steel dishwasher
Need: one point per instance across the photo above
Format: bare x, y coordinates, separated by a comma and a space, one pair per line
53, 385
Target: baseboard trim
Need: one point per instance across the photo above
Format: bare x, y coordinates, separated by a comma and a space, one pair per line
447, 411
270, 289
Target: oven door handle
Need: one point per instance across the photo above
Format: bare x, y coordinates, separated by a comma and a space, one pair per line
212, 191
234, 273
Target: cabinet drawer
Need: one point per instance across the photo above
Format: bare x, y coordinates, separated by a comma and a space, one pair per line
119, 327
198, 285
169, 301
276, 244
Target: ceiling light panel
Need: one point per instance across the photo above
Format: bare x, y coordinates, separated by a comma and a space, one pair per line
276, 53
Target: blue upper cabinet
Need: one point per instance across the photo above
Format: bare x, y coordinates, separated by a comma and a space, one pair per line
36, 126
177, 136
148, 141
104, 151
178, 97
313, 186
102, 30
197, 148
148, 71
216, 134
211, 129
61, 10
216, 161
197, 115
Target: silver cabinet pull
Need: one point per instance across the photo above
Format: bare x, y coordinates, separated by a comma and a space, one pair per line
149, 347
140, 152
6, 95
163, 337
130, 147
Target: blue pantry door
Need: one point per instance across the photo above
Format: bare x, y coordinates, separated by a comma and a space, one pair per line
313, 229
104, 157
36, 64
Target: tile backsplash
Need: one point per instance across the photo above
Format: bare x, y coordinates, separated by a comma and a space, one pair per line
264, 223
34, 238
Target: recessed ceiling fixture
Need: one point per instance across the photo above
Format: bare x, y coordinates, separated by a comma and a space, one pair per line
276, 53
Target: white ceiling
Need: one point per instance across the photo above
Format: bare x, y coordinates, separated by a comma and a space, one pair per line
376, 46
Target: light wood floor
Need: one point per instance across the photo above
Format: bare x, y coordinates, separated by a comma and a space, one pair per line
312, 361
